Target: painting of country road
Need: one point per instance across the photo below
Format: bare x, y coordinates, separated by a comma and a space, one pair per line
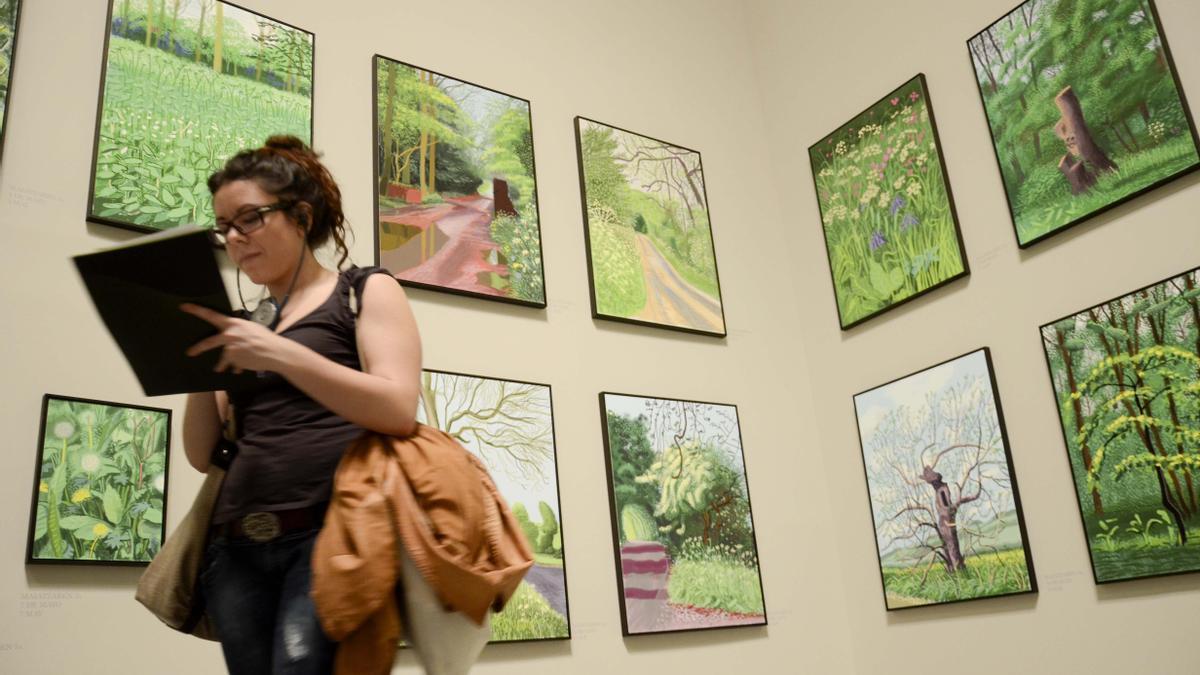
456, 206
1126, 378
1085, 108
683, 533
186, 84
944, 498
510, 426
650, 249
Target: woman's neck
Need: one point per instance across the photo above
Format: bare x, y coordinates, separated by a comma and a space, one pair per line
311, 272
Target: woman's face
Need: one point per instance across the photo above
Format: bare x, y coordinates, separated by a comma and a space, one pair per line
269, 252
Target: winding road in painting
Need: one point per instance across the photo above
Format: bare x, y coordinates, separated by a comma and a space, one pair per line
463, 243
551, 583
671, 300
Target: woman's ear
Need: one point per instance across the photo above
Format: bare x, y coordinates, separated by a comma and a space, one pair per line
304, 216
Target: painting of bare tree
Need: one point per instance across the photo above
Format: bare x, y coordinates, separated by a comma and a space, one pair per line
510, 426
683, 533
944, 499
1126, 375
1085, 108
651, 258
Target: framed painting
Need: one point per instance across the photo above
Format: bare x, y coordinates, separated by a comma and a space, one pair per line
891, 231
184, 86
456, 204
510, 426
1126, 377
1085, 109
943, 494
683, 534
10, 18
651, 258
100, 488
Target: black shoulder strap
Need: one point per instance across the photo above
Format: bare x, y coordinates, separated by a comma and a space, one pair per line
357, 276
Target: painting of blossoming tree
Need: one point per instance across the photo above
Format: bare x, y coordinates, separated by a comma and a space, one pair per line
100, 490
891, 231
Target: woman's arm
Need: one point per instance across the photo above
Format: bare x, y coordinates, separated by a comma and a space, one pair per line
202, 427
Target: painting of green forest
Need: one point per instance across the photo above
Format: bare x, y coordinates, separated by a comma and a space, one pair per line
891, 231
944, 500
100, 490
683, 533
648, 235
456, 193
1085, 109
1126, 376
9, 12
187, 84
510, 426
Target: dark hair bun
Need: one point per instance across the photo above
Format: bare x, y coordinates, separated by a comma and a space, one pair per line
286, 142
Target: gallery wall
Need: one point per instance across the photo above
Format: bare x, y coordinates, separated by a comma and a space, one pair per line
679, 71
820, 65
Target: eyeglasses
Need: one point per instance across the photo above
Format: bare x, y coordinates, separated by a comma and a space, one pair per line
245, 222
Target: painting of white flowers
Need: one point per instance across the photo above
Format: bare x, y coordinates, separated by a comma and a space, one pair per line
99, 494
944, 499
891, 231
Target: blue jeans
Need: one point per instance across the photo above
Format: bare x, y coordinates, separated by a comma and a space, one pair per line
257, 598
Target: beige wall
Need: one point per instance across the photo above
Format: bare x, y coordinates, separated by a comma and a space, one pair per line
682, 71
821, 63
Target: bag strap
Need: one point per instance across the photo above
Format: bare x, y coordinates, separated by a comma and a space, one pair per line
226, 447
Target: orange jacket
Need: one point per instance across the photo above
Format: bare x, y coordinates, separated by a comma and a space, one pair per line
427, 493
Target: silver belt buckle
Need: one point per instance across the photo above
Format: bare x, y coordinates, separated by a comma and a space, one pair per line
261, 526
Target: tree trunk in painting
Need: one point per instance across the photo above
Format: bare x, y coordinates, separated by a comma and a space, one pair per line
200, 30
1074, 132
387, 172
947, 510
149, 21
645, 570
218, 37
502, 202
1077, 407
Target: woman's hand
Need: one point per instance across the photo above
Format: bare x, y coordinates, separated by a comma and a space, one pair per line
246, 345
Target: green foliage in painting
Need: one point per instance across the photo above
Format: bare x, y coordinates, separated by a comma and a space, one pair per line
8, 37
100, 488
527, 615
994, 573
1130, 130
549, 529
637, 524
1127, 377
885, 206
183, 93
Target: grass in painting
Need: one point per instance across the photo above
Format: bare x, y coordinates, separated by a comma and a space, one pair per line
885, 206
616, 265
987, 574
527, 616
720, 579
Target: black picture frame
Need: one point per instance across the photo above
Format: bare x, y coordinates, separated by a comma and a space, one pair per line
375, 174
1012, 476
558, 493
614, 517
12, 62
1187, 115
587, 239
30, 558
93, 217
919, 78
1060, 404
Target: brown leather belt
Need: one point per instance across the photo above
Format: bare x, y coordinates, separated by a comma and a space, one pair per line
264, 526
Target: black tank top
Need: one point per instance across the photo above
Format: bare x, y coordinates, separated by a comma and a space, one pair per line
289, 444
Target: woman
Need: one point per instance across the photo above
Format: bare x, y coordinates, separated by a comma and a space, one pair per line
340, 354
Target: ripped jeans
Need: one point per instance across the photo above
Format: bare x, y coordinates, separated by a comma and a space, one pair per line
257, 598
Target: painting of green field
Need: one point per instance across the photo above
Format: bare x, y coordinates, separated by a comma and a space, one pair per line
100, 491
1085, 109
187, 84
10, 10
510, 426
649, 241
1126, 376
891, 232
456, 190
683, 533
944, 500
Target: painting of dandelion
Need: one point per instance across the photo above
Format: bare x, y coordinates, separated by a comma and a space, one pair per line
510, 426
891, 231
100, 490
10, 11
944, 499
1085, 108
185, 85
651, 258
683, 534
1126, 377
456, 202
